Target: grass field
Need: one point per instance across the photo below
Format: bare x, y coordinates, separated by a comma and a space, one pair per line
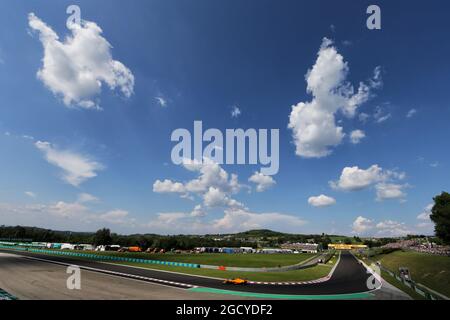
217, 259
296, 275
430, 270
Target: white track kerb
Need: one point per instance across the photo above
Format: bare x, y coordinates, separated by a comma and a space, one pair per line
127, 275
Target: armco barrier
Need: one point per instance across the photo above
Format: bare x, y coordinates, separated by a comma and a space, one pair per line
102, 257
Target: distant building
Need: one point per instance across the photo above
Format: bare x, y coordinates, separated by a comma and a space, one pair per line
302, 247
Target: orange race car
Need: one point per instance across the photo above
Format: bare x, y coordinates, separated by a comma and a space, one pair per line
235, 281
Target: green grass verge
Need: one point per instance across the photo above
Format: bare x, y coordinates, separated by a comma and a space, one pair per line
430, 270
296, 275
216, 259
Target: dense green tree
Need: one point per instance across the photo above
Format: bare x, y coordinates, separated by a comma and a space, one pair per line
102, 237
440, 215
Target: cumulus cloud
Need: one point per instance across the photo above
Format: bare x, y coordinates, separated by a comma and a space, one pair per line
384, 181
362, 225
76, 168
76, 69
233, 220
167, 186
198, 211
425, 215
215, 197
262, 181
210, 174
213, 185
321, 201
313, 123
354, 179
389, 228
390, 191
385, 228
216, 187
356, 136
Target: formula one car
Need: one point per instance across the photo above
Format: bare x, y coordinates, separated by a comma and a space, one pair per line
235, 281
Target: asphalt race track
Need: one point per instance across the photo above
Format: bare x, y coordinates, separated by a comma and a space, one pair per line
348, 277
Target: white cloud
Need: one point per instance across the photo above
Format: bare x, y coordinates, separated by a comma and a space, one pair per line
354, 178
362, 225
28, 137
210, 175
233, 220
76, 168
215, 197
117, 217
385, 228
262, 181
213, 185
356, 136
167, 186
63, 215
313, 123
347, 43
389, 228
30, 194
235, 112
390, 191
381, 115
67, 209
198, 211
434, 164
76, 68
161, 101
363, 117
240, 220
321, 201
86, 197
425, 215
411, 113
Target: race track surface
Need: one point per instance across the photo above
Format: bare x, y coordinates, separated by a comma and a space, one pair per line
348, 277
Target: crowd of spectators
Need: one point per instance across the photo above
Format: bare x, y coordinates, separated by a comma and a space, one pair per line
420, 245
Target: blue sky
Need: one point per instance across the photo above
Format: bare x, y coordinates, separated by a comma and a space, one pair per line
78, 156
